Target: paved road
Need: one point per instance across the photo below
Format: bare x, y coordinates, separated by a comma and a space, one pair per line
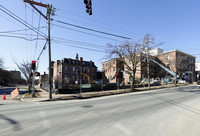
165, 112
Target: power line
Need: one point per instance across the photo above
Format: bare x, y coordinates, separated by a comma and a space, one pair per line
102, 23
19, 30
89, 29
21, 20
79, 42
38, 31
86, 33
22, 37
44, 47
71, 45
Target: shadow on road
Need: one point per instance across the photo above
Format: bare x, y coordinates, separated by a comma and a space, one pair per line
191, 109
11, 121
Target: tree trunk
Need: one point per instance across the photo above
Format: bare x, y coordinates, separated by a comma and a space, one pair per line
133, 83
29, 88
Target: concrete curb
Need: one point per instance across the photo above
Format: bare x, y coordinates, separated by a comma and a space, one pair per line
109, 93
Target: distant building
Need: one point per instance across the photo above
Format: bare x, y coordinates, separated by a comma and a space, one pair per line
155, 52
197, 70
182, 64
71, 71
113, 70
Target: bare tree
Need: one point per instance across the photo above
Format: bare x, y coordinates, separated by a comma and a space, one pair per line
25, 68
130, 53
1, 62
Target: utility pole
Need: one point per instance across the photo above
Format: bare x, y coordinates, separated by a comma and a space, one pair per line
49, 41
148, 65
33, 93
148, 60
48, 17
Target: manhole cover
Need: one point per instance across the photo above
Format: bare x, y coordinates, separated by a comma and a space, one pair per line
87, 106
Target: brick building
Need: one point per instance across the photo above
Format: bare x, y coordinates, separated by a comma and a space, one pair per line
179, 62
141, 69
113, 70
70, 71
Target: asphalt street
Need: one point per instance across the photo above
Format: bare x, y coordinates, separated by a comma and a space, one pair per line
163, 112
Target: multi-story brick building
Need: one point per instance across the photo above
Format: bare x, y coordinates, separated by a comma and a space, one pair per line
113, 70
141, 69
179, 62
70, 71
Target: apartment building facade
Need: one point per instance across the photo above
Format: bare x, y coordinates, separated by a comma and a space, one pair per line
70, 71
181, 63
113, 70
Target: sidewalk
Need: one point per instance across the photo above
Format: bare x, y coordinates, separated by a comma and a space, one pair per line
43, 95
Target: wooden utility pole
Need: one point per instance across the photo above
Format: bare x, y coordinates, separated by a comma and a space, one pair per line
148, 73
48, 17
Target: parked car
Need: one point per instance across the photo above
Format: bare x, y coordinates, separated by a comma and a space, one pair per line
198, 83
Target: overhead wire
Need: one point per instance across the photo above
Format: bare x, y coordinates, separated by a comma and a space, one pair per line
20, 20
102, 23
87, 33
22, 37
38, 31
71, 45
93, 30
19, 30
78, 42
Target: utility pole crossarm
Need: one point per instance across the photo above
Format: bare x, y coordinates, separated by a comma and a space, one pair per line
32, 3
36, 3
39, 11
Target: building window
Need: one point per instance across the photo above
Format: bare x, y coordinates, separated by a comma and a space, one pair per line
113, 68
73, 62
73, 77
83, 69
65, 68
74, 69
190, 67
88, 70
168, 57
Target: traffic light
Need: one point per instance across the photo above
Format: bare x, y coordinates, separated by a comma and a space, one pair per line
33, 65
37, 74
88, 4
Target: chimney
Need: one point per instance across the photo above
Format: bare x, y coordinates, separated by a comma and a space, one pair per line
81, 59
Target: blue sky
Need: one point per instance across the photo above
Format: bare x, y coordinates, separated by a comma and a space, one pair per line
174, 22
